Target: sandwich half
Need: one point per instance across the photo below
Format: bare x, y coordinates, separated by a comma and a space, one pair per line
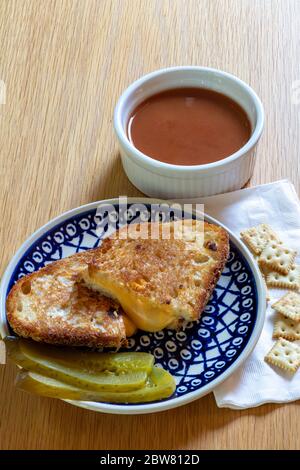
52, 305
160, 282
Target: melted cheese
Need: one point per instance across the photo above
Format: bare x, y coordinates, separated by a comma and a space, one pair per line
140, 310
130, 327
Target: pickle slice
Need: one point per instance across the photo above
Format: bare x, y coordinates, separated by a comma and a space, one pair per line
119, 372
89, 361
160, 384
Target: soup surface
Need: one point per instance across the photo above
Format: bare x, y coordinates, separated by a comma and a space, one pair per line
188, 126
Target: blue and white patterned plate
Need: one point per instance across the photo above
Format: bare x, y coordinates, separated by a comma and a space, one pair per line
201, 356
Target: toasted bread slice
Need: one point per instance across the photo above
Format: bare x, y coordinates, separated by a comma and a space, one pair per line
53, 306
160, 282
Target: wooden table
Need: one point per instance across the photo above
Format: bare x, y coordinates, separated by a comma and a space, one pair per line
64, 64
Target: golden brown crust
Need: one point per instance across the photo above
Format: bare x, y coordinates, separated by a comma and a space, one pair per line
177, 272
52, 305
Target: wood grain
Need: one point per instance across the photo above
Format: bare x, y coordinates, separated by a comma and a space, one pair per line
64, 64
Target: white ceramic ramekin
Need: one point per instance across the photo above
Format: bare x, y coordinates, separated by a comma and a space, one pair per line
163, 180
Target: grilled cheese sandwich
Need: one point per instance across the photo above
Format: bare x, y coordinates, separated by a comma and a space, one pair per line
160, 282
53, 306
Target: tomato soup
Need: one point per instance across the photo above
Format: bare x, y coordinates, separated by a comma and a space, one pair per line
188, 126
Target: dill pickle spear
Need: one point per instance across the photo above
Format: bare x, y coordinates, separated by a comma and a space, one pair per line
56, 363
160, 384
89, 361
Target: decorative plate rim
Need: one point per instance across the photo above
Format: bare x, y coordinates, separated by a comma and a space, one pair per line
172, 402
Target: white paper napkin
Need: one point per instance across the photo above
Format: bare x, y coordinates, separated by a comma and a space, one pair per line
277, 204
